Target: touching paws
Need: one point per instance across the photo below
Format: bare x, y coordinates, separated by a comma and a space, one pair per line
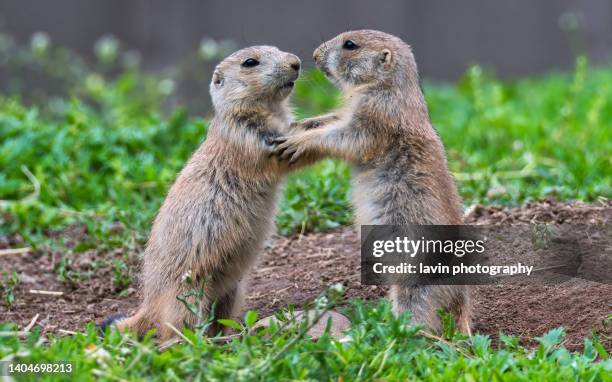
290, 147
293, 147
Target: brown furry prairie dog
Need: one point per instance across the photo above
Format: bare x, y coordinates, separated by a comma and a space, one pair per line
221, 208
400, 169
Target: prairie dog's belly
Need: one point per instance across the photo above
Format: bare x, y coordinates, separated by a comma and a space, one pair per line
388, 195
215, 229
364, 192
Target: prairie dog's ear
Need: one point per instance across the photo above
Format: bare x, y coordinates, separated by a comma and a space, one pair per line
386, 56
217, 78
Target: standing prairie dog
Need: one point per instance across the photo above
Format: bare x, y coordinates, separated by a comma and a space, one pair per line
401, 175
222, 205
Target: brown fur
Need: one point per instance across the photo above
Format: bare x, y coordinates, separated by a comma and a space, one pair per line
401, 174
221, 208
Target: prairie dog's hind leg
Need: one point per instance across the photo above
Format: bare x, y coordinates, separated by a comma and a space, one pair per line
138, 324
424, 301
227, 306
465, 314
415, 299
153, 314
212, 300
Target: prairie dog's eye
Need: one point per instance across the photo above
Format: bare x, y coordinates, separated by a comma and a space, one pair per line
349, 45
250, 62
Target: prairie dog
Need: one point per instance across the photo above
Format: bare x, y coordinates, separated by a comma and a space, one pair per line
400, 170
221, 207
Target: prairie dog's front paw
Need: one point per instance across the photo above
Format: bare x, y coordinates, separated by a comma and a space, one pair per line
288, 148
270, 143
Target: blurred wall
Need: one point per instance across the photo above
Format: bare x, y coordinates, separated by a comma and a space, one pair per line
513, 37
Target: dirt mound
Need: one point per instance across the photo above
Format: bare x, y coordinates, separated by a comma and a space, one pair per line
544, 211
295, 270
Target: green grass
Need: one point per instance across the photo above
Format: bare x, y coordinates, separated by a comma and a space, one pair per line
377, 346
103, 152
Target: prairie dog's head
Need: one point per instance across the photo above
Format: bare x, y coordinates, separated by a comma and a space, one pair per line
363, 57
254, 75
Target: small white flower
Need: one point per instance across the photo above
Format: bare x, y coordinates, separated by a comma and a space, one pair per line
97, 353
208, 49
125, 351
94, 83
107, 48
338, 288
40, 42
166, 86
321, 302
186, 277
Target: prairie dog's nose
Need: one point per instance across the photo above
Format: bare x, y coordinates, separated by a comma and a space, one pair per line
294, 62
316, 55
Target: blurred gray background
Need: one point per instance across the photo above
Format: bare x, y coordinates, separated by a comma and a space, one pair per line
514, 37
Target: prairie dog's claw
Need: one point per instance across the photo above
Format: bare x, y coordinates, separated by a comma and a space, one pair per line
280, 149
295, 157
278, 140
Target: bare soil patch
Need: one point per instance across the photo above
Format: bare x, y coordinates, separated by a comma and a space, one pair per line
295, 270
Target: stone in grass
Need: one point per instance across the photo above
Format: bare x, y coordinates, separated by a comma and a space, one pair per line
339, 323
